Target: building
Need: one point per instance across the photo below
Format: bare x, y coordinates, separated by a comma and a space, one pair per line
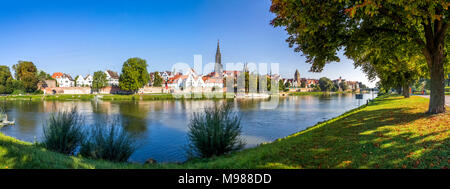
63, 80
166, 75
297, 79
88, 80
84, 81
112, 77
218, 67
309, 83
213, 82
190, 79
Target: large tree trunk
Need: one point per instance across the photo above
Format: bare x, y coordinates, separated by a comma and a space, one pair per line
434, 54
405, 90
437, 95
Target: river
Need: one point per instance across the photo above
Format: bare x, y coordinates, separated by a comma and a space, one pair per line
160, 127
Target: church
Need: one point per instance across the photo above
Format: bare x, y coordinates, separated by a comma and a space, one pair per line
218, 67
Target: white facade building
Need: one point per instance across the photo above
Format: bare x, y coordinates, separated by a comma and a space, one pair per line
84, 81
188, 80
65, 81
112, 77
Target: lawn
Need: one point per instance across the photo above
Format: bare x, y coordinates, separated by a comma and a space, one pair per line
391, 132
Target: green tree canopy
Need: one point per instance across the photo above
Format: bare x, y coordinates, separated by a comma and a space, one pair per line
26, 72
134, 74
319, 29
157, 80
42, 76
343, 86
5, 80
326, 84
99, 80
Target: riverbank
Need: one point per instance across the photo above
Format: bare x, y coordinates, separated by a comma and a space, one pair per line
153, 96
112, 97
390, 132
320, 93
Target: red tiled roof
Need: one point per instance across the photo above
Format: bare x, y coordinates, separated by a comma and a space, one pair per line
175, 78
207, 79
57, 75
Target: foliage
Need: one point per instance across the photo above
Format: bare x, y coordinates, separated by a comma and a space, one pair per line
303, 85
326, 84
320, 29
75, 81
281, 86
42, 76
63, 131
214, 132
317, 88
134, 74
99, 80
108, 142
343, 86
6, 85
157, 80
26, 72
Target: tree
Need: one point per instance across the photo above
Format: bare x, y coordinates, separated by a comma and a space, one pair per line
42, 76
27, 73
326, 84
317, 88
158, 80
75, 81
281, 86
134, 74
320, 29
99, 80
287, 85
5, 80
303, 84
343, 86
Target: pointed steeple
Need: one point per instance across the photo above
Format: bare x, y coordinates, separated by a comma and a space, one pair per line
218, 68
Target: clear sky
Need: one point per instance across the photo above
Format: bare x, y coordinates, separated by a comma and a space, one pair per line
80, 37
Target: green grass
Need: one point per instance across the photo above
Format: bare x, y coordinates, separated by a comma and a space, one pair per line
391, 132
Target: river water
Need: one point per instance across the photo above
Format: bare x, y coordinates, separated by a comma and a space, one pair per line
160, 127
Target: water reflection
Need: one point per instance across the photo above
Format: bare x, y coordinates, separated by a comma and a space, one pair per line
160, 126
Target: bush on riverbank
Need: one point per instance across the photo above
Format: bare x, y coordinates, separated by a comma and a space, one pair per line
63, 132
108, 142
215, 132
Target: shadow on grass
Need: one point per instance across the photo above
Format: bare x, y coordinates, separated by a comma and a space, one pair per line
16, 154
381, 138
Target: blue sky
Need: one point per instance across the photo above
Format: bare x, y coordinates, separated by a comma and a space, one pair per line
80, 37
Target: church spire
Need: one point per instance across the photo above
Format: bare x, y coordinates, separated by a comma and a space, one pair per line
218, 65
218, 47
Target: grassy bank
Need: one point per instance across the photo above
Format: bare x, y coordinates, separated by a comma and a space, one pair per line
390, 132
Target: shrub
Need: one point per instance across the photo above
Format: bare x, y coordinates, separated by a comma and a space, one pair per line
109, 142
215, 131
63, 132
18, 91
38, 92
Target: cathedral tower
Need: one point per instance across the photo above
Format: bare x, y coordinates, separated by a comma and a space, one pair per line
218, 68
